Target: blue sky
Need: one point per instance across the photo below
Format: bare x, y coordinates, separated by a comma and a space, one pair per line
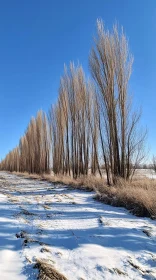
38, 37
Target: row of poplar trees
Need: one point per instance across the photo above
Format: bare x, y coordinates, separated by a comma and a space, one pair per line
92, 124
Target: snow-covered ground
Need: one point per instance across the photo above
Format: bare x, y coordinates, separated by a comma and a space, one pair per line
82, 238
142, 173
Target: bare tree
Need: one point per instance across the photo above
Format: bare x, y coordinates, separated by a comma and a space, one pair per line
69, 125
154, 163
110, 64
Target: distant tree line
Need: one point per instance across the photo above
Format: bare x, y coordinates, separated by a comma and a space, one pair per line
92, 123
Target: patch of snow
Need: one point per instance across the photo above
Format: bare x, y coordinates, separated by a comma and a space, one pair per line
82, 238
11, 260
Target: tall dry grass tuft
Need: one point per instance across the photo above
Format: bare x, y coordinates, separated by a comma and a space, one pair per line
138, 196
47, 271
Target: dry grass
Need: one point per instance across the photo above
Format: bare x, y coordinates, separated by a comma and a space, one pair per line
27, 175
138, 196
47, 271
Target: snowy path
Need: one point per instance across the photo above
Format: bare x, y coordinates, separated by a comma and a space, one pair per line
82, 238
10, 254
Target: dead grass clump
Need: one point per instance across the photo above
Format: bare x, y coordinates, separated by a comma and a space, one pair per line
138, 196
45, 249
47, 271
27, 213
27, 175
81, 183
120, 272
14, 200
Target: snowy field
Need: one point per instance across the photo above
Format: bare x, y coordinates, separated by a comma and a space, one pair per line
82, 238
142, 173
